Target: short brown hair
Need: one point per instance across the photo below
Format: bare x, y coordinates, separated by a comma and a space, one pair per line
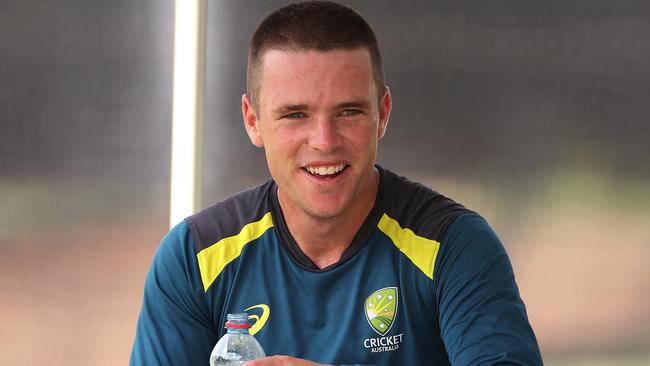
311, 25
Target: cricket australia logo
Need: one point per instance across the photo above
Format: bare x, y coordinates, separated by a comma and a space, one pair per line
381, 309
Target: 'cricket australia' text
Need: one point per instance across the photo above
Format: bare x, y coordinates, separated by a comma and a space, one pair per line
383, 344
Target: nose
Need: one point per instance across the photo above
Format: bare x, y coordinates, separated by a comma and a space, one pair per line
325, 135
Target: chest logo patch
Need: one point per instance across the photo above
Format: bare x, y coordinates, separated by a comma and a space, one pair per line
381, 308
260, 320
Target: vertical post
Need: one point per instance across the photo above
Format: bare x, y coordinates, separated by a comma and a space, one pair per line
187, 115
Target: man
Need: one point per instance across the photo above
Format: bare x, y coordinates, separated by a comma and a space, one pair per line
337, 260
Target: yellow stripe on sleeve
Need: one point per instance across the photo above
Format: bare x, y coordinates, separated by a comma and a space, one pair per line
421, 251
213, 259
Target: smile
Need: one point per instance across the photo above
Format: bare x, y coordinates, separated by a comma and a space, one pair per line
330, 171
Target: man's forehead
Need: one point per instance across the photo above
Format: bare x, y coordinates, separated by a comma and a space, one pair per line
282, 66
316, 77
277, 56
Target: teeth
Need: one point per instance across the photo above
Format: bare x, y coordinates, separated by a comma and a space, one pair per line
325, 170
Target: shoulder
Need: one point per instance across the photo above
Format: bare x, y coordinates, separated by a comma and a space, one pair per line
419, 208
416, 218
470, 228
228, 217
176, 243
470, 241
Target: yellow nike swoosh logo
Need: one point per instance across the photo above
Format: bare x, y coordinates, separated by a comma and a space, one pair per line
259, 320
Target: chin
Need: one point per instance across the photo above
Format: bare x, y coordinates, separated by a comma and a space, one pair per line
325, 215
325, 212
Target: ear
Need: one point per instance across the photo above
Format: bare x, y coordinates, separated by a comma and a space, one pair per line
251, 122
385, 107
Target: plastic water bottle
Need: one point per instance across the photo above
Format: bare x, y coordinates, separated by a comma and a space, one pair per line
237, 346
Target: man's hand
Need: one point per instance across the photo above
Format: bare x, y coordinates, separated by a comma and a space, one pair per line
281, 361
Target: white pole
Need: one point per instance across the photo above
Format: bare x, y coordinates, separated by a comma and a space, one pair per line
187, 115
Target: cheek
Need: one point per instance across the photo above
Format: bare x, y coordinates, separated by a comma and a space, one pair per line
274, 164
280, 146
364, 138
285, 140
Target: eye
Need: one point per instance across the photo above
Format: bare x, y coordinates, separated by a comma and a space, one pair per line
350, 112
295, 115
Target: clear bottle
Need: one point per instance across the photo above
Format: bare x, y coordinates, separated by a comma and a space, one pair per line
237, 346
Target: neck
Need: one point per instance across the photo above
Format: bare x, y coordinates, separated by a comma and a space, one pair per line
325, 239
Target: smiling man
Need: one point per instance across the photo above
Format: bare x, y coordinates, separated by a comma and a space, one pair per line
318, 119
337, 260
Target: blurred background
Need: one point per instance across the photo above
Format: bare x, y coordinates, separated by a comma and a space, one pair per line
534, 113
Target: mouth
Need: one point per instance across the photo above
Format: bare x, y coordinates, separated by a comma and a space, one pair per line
325, 171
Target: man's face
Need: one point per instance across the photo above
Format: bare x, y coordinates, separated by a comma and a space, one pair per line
319, 120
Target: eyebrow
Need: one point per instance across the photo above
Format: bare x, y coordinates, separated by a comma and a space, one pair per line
290, 108
361, 104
